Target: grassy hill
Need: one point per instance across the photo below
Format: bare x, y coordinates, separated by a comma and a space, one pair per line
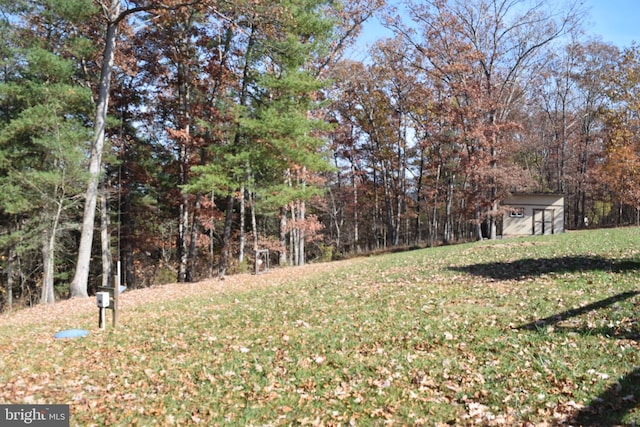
493, 333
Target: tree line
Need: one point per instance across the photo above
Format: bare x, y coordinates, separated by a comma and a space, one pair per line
179, 137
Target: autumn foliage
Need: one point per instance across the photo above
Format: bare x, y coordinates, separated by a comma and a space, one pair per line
222, 128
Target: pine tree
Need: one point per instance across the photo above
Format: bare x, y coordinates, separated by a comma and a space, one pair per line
275, 144
41, 155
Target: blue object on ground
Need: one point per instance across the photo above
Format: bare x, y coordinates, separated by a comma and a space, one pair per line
72, 333
122, 288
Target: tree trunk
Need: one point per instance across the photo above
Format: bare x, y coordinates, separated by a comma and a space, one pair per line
254, 223
126, 224
282, 260
493, 228
478, 216
301, 219
433, 230
401, 189
356, 209
11, 262
78, 285
48, 256
376, 211
191, 255
181, 243
212, 255
388, 207
419, 199
337, 212
398, 220
337, 218
104, 237
301, 233
242, 225
48, 261
226, 238
228, 220
293, 236
448, 219
183, 159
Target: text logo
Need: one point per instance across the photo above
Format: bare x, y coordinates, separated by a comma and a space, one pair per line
34, 415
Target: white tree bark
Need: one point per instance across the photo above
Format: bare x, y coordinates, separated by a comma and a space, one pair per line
48, 256
48, 244
254, 223
356, 209
78, 285
282, 261
301, 236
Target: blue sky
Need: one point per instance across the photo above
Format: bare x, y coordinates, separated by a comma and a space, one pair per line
615, 21
612, 21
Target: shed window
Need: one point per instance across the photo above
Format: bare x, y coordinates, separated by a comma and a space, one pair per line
517, 213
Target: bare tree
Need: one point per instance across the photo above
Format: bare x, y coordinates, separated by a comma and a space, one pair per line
491, 46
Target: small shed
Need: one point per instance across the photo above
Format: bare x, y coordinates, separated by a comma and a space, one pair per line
529, 214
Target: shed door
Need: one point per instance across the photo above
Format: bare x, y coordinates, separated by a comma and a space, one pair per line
543, 221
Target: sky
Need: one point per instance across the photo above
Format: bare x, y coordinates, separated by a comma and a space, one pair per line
611, 21
615, 21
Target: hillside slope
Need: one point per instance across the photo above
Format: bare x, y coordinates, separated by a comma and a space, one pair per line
533, 330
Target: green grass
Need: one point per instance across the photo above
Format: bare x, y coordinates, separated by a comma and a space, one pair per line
492, 333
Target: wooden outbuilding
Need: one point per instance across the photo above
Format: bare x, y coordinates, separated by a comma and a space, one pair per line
529, 214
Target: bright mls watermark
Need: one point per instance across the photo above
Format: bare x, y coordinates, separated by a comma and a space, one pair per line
34, 415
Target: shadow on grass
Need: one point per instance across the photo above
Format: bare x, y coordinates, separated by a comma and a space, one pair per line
610, 407
525, 268
559, 317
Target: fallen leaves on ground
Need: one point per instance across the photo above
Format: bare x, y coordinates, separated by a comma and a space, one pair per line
429, 337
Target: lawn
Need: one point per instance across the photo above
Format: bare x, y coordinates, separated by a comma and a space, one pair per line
515, 331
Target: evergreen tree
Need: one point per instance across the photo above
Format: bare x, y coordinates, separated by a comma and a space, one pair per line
42, 144
275, 141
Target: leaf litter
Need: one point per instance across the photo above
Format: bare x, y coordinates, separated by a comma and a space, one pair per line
402, 339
